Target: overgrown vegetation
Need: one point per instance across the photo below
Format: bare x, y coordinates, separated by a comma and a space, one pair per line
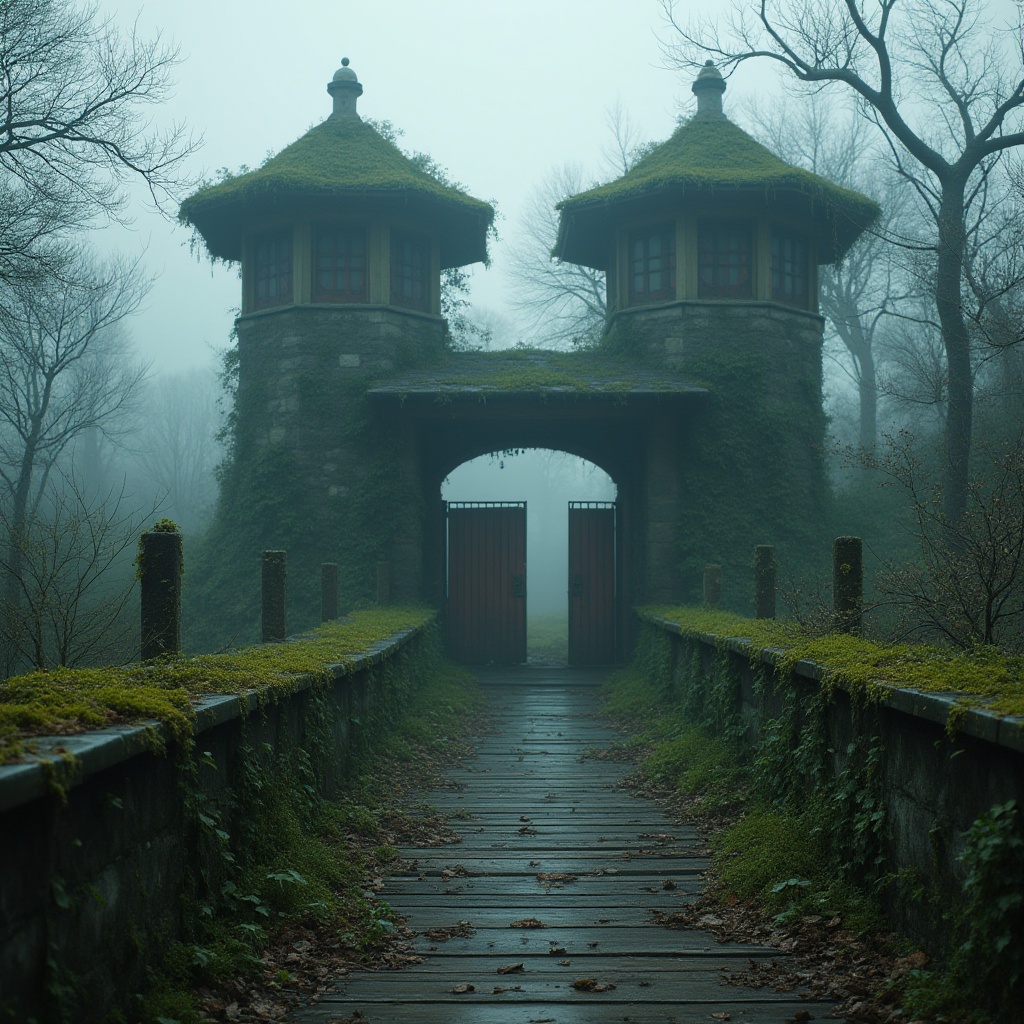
284, 835
800, 826
69, 700
282, 869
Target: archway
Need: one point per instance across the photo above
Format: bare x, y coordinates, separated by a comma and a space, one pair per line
547, 481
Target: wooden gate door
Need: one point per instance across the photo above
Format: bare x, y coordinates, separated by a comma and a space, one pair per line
487, 582
591, 582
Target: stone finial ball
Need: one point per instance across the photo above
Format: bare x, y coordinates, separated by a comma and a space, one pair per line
345, 73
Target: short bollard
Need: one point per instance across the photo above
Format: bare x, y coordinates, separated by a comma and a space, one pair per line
713, 585
847, 584
328, 591
274, 596
160, 563
765, 584
383, 583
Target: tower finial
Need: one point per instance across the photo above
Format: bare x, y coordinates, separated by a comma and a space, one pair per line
708, 88
345, 90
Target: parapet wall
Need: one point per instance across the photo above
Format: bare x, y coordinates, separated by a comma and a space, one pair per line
941, 766
105, 835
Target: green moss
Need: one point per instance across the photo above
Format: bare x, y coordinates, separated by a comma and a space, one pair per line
69, 700
708, 154
536, 371
981, 677
341, 159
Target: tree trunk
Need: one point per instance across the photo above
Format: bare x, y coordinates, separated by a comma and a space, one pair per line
955, 340
867, 391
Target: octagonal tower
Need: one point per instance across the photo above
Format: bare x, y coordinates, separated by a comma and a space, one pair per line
711, 246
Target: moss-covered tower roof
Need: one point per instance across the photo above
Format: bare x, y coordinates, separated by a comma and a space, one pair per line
707, 163
341, 168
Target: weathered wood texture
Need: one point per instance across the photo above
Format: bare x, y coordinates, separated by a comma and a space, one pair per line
486, 611
531, 806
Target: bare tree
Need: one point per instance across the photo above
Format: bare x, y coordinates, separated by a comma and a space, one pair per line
70, 562
176, 442
73, 128
859, 294
65, 368
966, 587
946, 89
566, 303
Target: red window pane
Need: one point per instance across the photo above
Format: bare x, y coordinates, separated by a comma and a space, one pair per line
724, 262
410, 260
339, 266
273, 270
790, 268
652, 258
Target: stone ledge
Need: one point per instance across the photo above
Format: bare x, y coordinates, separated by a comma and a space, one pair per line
98, 749
1001, 730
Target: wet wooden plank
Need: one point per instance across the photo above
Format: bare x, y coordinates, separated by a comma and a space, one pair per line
530, 803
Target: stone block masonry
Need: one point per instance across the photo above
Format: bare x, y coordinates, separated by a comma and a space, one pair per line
101, 850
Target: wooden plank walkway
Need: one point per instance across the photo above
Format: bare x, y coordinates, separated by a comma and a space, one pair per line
530, 810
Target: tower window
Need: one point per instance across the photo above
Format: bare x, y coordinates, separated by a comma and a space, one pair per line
652, 264
273, 270
789, 268
724, 268
410, 263
339, 266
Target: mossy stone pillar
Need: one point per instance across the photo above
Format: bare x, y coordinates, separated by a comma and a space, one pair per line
765, 574
160, 568
847, 584
274, 601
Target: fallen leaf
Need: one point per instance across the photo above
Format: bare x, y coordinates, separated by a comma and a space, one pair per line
803, 1015
589, 985
558, 950
519, 968
668, 884
564, 963
461, 990
500, 989
528, 922
724, 1015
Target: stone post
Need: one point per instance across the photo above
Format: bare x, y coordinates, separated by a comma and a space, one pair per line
328, 591
764, 581
160, 566
847, 584
713, 585
383, 583
274, 596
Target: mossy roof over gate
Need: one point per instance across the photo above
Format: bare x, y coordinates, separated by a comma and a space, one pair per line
536, 373
709, 160
342, 168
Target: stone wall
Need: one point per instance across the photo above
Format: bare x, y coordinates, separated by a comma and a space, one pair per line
98, 863
749, 468
934, 782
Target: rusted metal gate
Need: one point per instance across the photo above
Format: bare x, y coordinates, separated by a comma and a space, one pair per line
592, 579
486, 591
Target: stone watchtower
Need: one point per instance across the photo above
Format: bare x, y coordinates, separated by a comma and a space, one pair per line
342, 240
711, 245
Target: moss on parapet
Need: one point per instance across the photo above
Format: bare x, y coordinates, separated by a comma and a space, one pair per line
982, 677
67, 701
526, 371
